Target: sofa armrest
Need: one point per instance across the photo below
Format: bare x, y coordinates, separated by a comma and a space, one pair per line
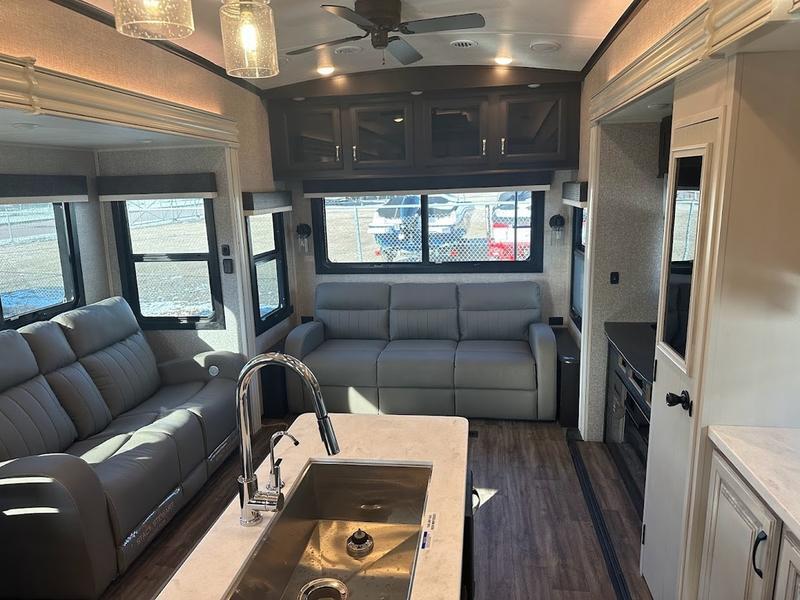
58, 541
543, 348
199, 368
304, 339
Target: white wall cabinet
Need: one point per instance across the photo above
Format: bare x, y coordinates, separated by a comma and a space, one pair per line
742, 540
787, 584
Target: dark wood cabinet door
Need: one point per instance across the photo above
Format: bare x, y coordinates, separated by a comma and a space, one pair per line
531, 128
314, 138
456, 131
381, 136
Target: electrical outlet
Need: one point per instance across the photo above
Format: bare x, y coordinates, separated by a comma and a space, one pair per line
614, 278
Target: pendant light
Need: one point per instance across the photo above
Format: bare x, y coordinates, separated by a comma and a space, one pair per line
154, 19
248, 38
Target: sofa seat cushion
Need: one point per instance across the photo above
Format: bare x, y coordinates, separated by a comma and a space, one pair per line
417, 363
212, 402
137, 478
349, 363
494, 365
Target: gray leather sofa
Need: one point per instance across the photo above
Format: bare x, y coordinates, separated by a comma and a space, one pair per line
99, 446
474, 350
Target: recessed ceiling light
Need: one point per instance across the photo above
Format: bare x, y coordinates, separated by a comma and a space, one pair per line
399, 119
145, 141
659, 106
343, 50
464, 44
416, 93
326, 70
503, 60
545, 47
27, 126
299, 98
533, 86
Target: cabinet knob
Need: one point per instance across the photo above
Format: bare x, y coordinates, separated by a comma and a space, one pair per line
502, 146
355, 153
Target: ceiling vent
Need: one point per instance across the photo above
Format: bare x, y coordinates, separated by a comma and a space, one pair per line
464, 44
545, 47
343, 50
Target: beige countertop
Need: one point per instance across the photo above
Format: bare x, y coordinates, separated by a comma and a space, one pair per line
769, 460
441, 441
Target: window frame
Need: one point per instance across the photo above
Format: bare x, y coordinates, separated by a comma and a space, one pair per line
67, 236
127, 270
285, 310
534, 263
577, 248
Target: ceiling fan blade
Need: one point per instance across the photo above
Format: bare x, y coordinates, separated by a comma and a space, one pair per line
403, 51
451, 23
348, 14
352, 38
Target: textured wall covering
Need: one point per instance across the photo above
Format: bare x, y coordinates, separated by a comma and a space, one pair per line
627, 232
65, 41
55, 161
554, 281
654, 20
173, 344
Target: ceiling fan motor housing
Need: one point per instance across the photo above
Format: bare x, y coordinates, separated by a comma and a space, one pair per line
384, 13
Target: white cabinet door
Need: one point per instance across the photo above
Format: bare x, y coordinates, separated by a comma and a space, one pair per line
787, 585
742, 539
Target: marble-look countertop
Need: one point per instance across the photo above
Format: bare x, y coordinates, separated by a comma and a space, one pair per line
441, 441
769, 460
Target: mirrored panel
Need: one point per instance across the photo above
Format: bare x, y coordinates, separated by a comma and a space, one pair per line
682, 250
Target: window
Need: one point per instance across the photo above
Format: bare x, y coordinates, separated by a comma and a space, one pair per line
268, 270
580, 232
168, 262
39, 267
447, 232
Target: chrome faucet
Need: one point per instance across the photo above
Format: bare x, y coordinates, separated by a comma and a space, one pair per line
254, 501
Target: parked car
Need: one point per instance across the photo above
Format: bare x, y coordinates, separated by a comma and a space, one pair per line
511, 220
397, 226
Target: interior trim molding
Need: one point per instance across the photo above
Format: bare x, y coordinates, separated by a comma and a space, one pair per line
35, 90
612, 35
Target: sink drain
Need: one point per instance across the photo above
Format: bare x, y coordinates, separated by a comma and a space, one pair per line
324, 589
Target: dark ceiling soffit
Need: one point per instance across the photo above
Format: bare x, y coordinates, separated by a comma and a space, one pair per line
406, 79
35, 186
621, 24
432, 182
101, 16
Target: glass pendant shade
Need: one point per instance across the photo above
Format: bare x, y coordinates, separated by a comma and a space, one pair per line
154, 19
248, 39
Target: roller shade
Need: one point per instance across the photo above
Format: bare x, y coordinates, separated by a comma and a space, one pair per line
156, 187
33, 189
264, 203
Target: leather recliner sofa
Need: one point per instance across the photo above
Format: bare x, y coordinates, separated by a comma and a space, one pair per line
475, 350
100, 446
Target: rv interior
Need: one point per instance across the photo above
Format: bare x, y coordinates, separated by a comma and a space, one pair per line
399, 299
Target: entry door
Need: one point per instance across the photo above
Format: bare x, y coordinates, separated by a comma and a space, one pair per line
675, 395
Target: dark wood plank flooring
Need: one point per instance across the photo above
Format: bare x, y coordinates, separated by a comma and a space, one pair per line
619, 514
162, 558
534, 537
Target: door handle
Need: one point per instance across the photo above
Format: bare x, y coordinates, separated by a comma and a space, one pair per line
684, 401
761, 537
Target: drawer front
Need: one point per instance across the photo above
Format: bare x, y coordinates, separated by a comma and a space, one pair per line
787, 584
742, 539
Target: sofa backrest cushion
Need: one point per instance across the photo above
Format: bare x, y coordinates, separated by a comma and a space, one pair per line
31, 419
72, 385
424, 311
498, 311
109, 344
352, 310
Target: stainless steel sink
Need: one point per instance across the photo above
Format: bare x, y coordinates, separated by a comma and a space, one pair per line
303, 555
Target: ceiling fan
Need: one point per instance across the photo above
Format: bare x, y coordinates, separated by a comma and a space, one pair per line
380, 18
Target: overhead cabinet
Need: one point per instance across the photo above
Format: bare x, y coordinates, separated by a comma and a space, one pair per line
437, 133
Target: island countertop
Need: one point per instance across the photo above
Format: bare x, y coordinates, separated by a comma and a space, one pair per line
214, 563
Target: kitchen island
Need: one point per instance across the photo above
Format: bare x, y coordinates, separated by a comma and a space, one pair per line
440, 442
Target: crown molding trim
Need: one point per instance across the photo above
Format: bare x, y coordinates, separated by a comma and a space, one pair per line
35, 90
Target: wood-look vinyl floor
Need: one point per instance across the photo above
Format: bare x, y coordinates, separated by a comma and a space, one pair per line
619, 514
534, 537
161, 559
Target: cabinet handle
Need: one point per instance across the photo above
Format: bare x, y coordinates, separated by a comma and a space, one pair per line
761, 537
483, 147
355, 153
502, 146
338, 153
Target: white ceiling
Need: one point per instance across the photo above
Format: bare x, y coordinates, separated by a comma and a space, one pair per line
17, 127
511, 27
